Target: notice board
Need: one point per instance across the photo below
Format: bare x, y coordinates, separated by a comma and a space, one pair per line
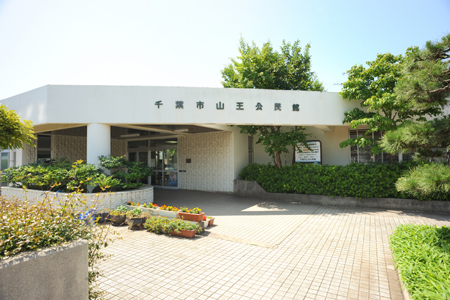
309, 156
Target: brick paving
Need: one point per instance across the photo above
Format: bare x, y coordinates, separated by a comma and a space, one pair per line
261, 250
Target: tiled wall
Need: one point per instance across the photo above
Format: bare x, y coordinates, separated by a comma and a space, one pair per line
211, 167
71, 147
74, 147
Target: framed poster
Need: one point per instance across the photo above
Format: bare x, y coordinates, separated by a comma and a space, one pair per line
309, 156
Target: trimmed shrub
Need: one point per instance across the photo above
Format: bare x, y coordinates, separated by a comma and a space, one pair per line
426, 181
353, 180
58, 175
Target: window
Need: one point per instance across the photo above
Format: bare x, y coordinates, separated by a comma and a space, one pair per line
44, 146
363, 155
4, 164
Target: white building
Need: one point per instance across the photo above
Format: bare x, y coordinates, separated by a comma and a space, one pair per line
183, 133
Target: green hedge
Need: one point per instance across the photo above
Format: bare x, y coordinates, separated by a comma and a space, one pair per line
352, 180
422, 255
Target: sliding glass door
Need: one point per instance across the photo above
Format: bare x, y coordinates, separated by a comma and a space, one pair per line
165, 167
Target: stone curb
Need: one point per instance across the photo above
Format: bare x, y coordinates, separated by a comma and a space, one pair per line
252, 188
404, 290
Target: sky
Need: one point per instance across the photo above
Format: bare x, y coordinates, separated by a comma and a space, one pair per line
188, 43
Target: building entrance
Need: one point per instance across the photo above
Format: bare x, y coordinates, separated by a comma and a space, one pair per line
162, 156
165, 167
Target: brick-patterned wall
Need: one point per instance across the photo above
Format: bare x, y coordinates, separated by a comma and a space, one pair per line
118, 147
74, 147
29, 153
71, 147
211, 167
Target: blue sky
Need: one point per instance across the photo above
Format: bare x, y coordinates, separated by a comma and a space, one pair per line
187, 43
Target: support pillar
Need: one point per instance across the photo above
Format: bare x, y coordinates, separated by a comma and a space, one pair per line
98, 142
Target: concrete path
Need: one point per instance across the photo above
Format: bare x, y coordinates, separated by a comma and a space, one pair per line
261, 250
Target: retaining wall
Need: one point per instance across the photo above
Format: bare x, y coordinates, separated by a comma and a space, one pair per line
59, 272
107, 200
252, 188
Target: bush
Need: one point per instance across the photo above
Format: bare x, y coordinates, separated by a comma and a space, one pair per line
427, 181
27, 227
421, 254
353, 180
58, 175
129, 173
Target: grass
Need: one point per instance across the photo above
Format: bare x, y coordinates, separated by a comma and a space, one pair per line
422, 255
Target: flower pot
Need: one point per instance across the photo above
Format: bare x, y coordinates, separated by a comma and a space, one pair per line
118, 220
185, 233
135, 221
168, 214
211, 222
191, 217
103, 217
203, 224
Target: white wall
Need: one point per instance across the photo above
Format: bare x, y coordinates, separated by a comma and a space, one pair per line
64, 104
211, 167
332, 154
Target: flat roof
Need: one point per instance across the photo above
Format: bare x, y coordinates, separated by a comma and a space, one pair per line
116, 105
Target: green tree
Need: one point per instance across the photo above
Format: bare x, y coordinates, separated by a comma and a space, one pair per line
426, 84
426, 140
13, 131
265, 68
427, 75
382, 109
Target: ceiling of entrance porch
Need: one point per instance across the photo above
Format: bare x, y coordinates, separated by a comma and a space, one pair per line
126, 132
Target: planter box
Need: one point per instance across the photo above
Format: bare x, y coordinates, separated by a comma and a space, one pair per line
211, 221
185, 233
58, 272
151, 211
191, 217
101, 201
168, 214
203, 224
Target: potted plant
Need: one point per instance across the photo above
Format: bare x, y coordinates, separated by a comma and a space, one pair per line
156, 224
168, 211
146, 207
136, 217
119, 215
183, 229
210, 220
194, 214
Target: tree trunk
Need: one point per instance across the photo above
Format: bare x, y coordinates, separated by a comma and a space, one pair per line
278, 160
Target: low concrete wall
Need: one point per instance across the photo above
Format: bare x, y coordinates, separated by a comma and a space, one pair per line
252, 188
107, 200
59, 272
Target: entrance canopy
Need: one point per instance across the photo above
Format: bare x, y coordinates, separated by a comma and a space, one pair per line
54, 107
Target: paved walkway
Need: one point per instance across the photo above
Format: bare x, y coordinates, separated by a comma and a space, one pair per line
261, 250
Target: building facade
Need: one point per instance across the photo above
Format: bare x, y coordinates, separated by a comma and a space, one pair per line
189, 136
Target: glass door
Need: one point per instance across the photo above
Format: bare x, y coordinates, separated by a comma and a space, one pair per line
165, 167
140, 156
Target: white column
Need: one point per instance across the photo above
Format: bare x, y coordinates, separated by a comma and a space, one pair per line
98, 142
